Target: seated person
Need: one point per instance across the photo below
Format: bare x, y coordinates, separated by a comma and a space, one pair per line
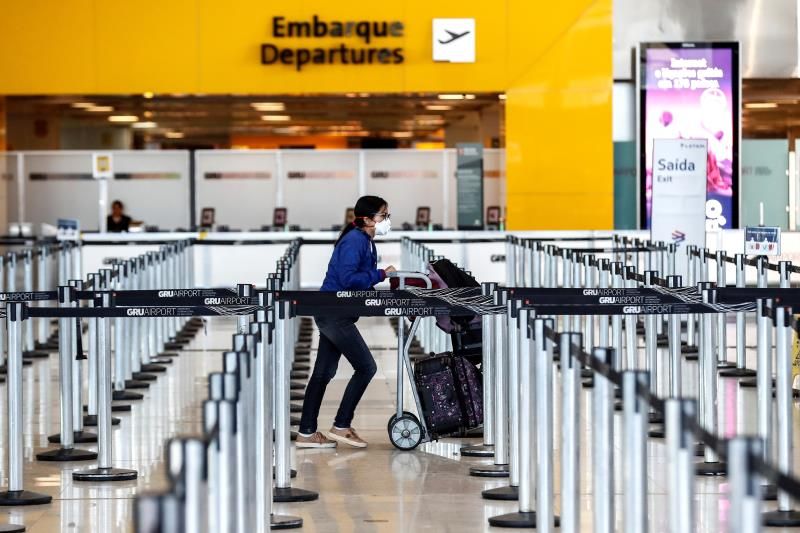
117, 221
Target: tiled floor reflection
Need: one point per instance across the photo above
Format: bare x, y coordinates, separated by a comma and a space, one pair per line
375, 490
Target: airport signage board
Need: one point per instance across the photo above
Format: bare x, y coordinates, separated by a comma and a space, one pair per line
469, 182
102, 166
762, 240
679, 193
361, 42
691, 90
454, 40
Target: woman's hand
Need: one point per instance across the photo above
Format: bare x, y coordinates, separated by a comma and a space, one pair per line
389, 269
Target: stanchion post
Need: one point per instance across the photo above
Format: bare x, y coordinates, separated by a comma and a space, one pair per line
711, 466
16, 313
570, 433
785, 515
603, 448
104, 471
635, 450
680, 455
745, 489
674, 324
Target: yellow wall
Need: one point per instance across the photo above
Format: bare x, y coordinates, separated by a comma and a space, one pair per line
559, 153
554, 61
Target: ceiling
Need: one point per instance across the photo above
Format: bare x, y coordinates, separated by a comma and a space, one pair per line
771, 108
215, 120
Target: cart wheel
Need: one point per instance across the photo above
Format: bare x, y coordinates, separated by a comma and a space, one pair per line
394, 416
405, 432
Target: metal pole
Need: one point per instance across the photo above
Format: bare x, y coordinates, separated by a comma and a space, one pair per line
674, 321
745, 489
603, 446
104, 470
570, 434
635, 450
543, 394
16, 313
711, 466
680, 454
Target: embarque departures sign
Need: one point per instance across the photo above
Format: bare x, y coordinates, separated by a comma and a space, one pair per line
377, 42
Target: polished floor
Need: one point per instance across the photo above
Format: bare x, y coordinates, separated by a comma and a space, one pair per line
376, 490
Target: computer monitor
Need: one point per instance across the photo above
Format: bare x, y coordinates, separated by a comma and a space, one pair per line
207, 216
279, 217
423, 216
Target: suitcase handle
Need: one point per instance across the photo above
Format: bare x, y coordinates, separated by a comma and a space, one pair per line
402, 276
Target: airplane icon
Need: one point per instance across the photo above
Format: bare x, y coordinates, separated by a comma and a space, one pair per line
453, 36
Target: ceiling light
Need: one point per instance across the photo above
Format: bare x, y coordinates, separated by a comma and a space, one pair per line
469, 96
363, 95
269, 106
434, 107
501, 96
351, 95
148, 114
123, 118
761, 105
82, 105
174, 135
144, 125
402, 134
451, 97
276, 118
100, 109
148, 95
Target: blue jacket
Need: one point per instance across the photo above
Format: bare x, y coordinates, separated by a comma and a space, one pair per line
354, 264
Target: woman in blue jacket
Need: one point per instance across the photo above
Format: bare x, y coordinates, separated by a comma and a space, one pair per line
353, 266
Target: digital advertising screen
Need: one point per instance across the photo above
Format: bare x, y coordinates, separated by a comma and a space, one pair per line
691, 91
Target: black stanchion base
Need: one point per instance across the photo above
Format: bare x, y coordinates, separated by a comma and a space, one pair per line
291, 494
91, 420
711, 469
506, 494
135, 384
750, 383
737, 373
279, 521
725, 365
619, 405
296, 396
295, 408
304, 359
23, 497
292, 435
78, 437
301, 367
481, 450
586, 373
781, 519
105, 474
294, 420
688, 350
656, 433
174, 345
769, 492
691, 356
168, 355
587, 383
515, 520
489, 471
67, 454
11, 528
296, 386
49, 346
126, 395
153, 368
143, 376
298, 375
35, 354
161, 360
655, 418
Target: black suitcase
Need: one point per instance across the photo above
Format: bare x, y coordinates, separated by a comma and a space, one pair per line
436, 386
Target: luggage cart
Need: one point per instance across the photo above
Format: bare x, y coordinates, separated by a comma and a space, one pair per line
407, 430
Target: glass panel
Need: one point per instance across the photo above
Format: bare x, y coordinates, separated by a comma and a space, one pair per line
765, 179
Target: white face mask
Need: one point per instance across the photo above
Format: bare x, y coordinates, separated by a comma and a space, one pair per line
383, 227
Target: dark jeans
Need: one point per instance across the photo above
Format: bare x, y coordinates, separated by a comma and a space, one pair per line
337, 336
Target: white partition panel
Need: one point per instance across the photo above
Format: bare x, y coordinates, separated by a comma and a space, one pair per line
407, 179
318, 186
60, 185
241, 185
154, 186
